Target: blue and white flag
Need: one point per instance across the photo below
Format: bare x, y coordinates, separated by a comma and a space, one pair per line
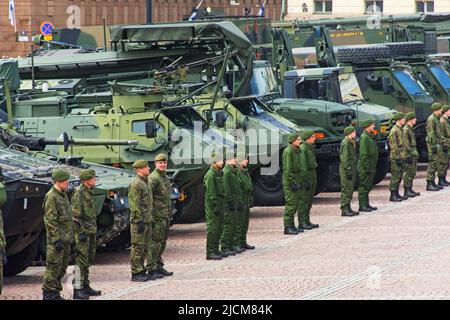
12, 14
262, 9
194, 11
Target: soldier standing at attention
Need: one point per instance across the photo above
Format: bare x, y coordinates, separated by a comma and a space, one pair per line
434, 144
398, 156
214, 206
347, 170
230, 181
2, 236
443, 160
140, 197
58, 222
85, 229
162, 208
308, 176
367, 165
247, 189
412, 155
291, 183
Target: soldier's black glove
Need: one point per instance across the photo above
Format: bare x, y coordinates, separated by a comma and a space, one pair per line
409, 160
83, 237
349, 176
399, 162
141, 226
294, 187
59, 245
307, 185
445, 149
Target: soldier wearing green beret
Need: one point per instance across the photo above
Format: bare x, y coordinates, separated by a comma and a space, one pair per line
162, 208
245, 202
230, 181
435, 139
58, 222
444, 156
347, 170
85, 229
367, 165
412, 155
214, 206
291, 182
308, 178
2, 236
397, 156
140, 198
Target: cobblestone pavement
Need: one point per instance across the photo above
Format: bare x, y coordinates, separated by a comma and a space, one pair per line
401, 251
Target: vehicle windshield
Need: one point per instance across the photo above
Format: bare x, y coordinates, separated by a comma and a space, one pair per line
263, 81
184, 117
310, 89
409, 83
441, 75
249, 107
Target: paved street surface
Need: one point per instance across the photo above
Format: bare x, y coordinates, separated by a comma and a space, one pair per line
401, 251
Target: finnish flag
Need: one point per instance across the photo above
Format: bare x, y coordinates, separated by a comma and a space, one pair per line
12, 13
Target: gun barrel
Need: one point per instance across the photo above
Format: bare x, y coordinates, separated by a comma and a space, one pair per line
88, 142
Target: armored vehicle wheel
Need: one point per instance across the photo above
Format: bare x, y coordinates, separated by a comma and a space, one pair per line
405, 49
22, 260
328, 176
363, 53
268, 190
119, 243
382, 168
193, 207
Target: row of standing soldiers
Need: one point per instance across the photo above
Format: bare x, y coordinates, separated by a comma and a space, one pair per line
65, 221
228, 198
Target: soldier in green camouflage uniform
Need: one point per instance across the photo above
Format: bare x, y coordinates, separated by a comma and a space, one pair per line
308, 178
140, 197
444, 156
2, 236
412, 155
367, 165
397, 156
246, 190
214, 206
162, 208
291, 183
230, 181
347, 170
85, 229
59, 229
434, 139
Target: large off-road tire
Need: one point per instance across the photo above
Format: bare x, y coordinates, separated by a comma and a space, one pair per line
383, 168
267, 189
363, 53
405, 49
119, 243
328, 179
21, 260
193, 207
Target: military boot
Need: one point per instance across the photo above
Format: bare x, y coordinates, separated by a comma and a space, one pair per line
91, 292
365, 209
347, 212
437, 185
214, 257
139, 277
51, 295
416, 193
431, 186
79, 294
247, 246
290, 230
409, 193
355, 213
402, 197
154, 274
372, 208
164, 272
307, 226
442, 182
395, 197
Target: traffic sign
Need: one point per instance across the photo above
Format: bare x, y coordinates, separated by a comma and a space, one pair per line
46, 28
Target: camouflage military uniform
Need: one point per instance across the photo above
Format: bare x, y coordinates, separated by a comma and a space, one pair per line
412, 155
140, 197
161, 188
367, 166
59, 227
214, 208
230, 181
246, 190
398, 157
308, 176
434, 144
444, 155
347, 171
85, 229
291, 184
2, 250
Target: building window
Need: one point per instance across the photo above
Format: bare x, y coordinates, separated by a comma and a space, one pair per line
424, 6
374, 6
323, 6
